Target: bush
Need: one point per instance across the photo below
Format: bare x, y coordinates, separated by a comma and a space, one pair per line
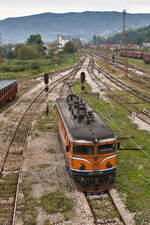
27, 52
69, 47
11, 54
6, 68
12, 68
35, 66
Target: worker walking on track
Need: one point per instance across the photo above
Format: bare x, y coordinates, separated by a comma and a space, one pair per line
82, 77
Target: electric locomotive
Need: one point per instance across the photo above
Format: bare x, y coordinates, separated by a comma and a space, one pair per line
89, 145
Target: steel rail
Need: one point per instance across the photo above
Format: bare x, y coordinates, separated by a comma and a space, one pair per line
14, 132
143, 115
21, 164
131, 66
123, 217
55, 83
143, 79
123, 85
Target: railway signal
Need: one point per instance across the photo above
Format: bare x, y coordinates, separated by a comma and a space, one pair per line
46, 78
46, 81
113, 58
82, 76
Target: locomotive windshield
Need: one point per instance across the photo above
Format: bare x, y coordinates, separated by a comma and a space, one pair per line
83, 149
105, 149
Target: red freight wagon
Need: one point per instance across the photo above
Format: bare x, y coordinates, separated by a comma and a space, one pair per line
146, 57
8, 90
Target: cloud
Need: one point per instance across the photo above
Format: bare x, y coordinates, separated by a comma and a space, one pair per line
14, 8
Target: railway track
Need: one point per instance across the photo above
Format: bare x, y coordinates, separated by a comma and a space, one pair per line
29, 83
123, 85
107, 208
121, 65
12, 162
142, 79
103, 206
103, 209
130, 107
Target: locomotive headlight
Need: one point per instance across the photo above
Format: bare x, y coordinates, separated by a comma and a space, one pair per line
82, 166
109, 165
95, 140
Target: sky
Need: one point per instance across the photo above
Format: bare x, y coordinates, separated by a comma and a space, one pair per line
16, 8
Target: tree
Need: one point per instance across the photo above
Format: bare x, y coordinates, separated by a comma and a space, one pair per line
69, 47
26, 52
11, 54
52, 49
36, 40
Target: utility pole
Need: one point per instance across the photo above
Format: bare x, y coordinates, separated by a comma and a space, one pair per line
126, 58
124, 23
125, 43
133, 46
107, 50
0, 52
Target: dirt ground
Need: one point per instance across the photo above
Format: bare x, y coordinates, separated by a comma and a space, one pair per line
45, 173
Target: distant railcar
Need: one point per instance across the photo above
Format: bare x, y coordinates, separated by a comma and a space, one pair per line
89, 145
138, 55
131, 54
146, 57
8, 90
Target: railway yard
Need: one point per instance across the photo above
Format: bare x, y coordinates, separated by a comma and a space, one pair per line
35, 187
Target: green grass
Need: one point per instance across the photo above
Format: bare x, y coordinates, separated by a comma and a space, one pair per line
8, 188
56, 202
51, 151
134, 62
44, 166
47, 222
47, 123
45, 65
140, 84
109, 68
103, 210
27, 210
133, 174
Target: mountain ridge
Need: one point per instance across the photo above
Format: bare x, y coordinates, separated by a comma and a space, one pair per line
76, 24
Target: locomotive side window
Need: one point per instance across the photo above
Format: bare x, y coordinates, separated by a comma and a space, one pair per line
105, 149
83, 149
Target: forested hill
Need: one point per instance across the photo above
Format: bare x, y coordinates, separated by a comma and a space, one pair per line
139, 36
83, 24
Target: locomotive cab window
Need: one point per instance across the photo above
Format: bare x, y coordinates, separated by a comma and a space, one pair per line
105, 149
83, 149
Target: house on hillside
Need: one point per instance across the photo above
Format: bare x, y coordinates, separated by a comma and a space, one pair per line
62, 40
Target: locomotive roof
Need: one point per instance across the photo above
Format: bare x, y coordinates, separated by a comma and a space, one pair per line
81, 131
6, 83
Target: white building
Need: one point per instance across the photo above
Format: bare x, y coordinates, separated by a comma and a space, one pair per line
62, 40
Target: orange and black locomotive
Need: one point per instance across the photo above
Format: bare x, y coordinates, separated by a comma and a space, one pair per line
89, 145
